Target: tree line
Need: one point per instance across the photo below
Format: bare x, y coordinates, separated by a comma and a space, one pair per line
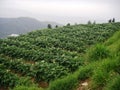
89, 22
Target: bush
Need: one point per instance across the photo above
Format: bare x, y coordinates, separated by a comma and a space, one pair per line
85, 72
27, 88
104, 73
114, 84
100, 78
24, 81
98, 52
111, 65
71, 81
68, 83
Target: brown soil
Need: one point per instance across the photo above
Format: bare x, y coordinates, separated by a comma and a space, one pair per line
43, 84
3, 88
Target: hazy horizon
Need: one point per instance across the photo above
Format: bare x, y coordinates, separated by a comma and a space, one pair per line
62, 11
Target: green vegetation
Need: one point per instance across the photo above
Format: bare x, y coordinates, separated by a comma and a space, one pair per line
114, 84
98, 52
102, 73
61, 58
68, 83
32, 87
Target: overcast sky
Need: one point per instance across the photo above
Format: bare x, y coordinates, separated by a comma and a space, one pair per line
62, 11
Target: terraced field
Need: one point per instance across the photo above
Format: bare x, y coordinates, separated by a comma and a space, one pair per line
42, 56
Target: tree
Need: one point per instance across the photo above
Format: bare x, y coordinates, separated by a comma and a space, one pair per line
68, 24
94, 22
89, 22
113, 20
49, 26
56, 26
110, 21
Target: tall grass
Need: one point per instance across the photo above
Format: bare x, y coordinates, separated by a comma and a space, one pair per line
68, 83
103, 69
97, 52
114, 44
114, 84
113, 39
27, 88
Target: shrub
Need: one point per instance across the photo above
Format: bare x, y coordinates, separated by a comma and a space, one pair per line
85, 72
104, 72
99, 79
24, 81
98, 52
68, 83
114, 84
27, 88
111, 65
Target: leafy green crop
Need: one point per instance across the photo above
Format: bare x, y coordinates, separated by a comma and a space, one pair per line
45, 55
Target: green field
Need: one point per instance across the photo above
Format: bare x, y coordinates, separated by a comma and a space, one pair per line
62, 58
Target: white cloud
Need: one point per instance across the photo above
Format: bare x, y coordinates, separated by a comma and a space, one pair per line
51, 9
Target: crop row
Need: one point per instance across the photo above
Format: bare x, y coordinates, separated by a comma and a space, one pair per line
70, 61
7, 78
53, 52
74, 38
40, 71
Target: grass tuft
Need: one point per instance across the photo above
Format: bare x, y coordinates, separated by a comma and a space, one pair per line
68, 83
98, 52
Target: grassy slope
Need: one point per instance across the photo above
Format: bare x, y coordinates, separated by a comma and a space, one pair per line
67, 42
102, 71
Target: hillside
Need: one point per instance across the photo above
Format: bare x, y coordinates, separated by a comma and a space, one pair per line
44, 57
21, 25
100, 72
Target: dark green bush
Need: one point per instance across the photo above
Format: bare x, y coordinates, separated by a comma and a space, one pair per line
98, 52
99, 78
27, 88
68, 83
85, 72
114, 84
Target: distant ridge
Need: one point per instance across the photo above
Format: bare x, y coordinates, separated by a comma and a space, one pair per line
21, 25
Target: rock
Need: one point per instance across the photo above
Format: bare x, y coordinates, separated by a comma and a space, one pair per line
84, 84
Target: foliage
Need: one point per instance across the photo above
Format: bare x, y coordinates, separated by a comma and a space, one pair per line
46, 55
85, 71
68, 83
114, 84
98, 52
7, 78
47, 72
103, 74
27, 88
